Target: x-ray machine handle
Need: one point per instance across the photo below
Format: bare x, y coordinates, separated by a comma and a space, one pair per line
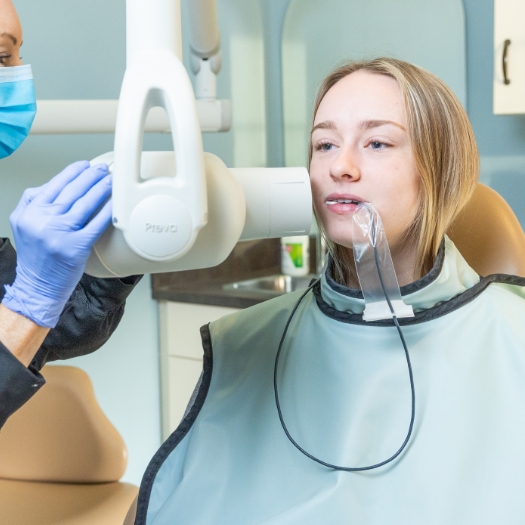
155, 76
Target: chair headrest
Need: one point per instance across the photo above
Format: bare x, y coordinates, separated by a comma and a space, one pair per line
62, 435
489, 235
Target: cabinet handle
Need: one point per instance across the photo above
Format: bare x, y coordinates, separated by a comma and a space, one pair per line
504, 62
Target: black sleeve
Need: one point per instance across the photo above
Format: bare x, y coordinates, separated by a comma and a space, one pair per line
17, 383
89, 318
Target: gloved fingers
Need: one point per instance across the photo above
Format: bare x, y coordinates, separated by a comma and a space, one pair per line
27, 197
30, 194
51, 190
78, 188
98, 224
84, 207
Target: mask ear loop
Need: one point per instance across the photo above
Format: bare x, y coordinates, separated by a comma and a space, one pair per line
409, 365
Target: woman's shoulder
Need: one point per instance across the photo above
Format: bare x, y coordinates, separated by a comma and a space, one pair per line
505, 287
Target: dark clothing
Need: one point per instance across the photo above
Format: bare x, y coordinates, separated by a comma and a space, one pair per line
89, 318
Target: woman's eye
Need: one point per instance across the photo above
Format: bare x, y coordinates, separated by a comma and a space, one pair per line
324, 146
376, 144
3, 59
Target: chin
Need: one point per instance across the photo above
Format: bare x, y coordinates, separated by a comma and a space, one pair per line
343, 238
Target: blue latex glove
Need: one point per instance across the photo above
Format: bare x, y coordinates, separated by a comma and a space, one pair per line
54, 239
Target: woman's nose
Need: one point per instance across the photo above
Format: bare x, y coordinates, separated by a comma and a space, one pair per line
345, 167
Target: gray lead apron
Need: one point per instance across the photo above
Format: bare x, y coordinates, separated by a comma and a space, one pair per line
345, 396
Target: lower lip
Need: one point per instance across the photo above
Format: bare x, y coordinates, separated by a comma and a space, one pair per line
341, 209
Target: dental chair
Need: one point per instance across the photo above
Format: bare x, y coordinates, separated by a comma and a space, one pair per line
489, 235
61, 459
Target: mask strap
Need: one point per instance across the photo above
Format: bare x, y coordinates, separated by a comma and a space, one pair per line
16, 73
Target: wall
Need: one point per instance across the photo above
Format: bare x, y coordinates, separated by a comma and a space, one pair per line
363, 30
501, 138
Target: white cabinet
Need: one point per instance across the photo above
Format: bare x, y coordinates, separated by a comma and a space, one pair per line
181, 355
509, 56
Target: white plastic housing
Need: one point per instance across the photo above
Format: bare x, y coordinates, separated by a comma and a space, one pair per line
205, 38
278, 202
100, 116
205, 81
151, 26
243, 204
214, 115
178, 201
112, 257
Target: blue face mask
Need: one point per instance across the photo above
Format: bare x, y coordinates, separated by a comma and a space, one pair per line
17, 107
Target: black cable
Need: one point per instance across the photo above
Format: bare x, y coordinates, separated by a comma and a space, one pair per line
409, 365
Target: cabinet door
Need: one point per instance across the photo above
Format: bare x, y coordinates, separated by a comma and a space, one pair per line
181, 355
509, 56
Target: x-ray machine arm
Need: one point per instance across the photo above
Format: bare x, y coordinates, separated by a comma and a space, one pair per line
183, 209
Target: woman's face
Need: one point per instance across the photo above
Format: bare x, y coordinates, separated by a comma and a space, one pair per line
10, 35
362, 152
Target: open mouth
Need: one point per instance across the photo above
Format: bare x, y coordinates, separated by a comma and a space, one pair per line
342, 204
342, 201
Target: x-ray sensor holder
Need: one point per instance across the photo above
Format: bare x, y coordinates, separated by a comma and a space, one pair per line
374, 266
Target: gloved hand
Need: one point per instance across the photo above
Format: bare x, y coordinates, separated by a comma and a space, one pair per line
54, 239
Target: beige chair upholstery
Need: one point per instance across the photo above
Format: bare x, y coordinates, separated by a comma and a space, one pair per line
489, 236
61, 459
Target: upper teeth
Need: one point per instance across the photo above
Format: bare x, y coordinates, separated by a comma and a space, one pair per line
342, 201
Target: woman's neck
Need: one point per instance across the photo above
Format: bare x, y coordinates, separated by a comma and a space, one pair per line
405, 265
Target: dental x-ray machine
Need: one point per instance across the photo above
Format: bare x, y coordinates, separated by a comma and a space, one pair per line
182, 209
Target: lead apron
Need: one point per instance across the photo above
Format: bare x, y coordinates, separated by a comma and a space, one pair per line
345, 395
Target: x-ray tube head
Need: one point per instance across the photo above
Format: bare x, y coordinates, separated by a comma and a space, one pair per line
243, 204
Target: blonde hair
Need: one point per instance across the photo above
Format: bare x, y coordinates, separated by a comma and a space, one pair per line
444, 150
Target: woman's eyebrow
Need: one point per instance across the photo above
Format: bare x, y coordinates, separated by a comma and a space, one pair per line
12, 37
365, 124
369, 124
326, 124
